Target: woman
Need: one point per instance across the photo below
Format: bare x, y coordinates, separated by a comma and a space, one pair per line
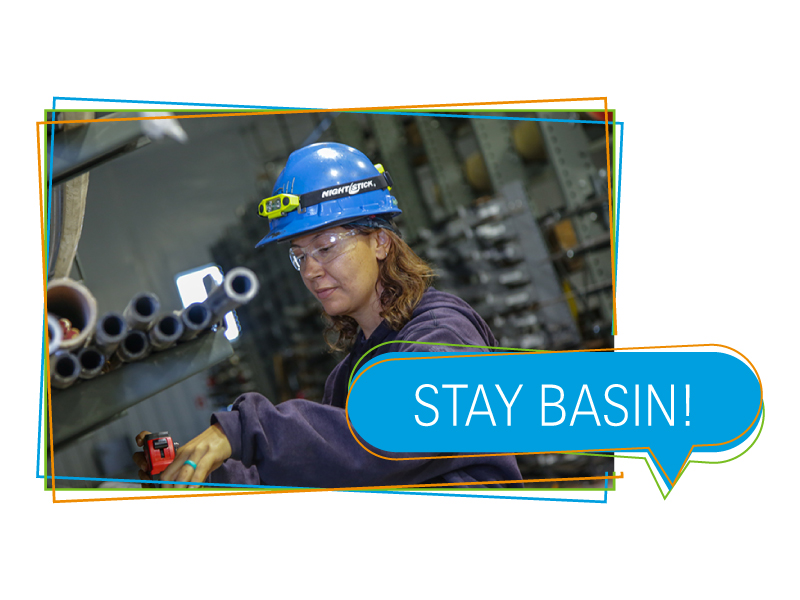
335, 209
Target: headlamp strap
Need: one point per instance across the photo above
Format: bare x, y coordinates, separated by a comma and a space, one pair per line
371, 184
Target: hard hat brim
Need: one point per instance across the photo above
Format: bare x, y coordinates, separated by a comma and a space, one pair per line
299, 228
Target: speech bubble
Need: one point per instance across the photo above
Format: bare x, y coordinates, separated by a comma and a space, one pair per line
669, 404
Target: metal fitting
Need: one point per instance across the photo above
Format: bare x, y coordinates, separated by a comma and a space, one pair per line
70, 300
110, 331
239, 287
135, 346
166, 332
64, 369
142, 311
91, 362
195, 318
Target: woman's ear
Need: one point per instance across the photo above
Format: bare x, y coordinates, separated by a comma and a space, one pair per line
384, 243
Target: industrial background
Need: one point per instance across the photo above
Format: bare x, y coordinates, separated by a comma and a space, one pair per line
512, 214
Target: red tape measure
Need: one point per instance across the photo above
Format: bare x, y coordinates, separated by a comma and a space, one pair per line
159, 451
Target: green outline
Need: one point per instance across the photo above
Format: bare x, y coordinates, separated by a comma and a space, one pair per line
677, 478
355, 367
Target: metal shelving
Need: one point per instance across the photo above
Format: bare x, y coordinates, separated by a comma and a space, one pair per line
91, 404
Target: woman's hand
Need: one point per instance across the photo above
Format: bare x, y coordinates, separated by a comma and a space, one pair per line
208, 451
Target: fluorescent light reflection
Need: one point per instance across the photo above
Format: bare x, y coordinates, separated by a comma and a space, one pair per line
192, 289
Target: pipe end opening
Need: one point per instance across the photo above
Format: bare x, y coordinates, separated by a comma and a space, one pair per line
168, 326
135, 343
145, 306
112, 325
90, 360
241, 284
66, 367
197, 314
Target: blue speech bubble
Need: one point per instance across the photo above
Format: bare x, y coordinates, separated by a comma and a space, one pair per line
669, 404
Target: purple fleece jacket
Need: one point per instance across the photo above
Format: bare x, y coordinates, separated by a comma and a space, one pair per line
300, 443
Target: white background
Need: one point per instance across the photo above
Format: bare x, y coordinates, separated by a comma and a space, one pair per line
708, 251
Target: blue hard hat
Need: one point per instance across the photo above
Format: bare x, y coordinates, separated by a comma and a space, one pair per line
324, 185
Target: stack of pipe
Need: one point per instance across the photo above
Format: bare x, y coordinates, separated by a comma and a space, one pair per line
73, 310
81, 346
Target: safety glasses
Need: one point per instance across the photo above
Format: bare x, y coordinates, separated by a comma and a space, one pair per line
324, 248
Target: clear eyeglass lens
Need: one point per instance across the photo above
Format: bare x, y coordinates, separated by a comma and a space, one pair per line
326, 248
296, 260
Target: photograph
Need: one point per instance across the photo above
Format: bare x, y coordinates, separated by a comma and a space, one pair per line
214, 280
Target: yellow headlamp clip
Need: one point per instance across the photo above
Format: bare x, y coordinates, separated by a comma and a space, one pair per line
278, 205
383, 172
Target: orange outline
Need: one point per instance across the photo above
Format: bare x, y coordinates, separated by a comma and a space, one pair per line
582, 450
351, 489
318, 110
301, 111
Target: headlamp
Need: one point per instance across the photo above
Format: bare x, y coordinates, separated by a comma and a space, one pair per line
280, 204
277, 206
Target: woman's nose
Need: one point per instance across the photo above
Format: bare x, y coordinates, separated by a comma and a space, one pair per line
312, 269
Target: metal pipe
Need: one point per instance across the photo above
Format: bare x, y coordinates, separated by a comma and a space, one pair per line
91, 362
54, 334
64, 369
195, 318
142, 311
166, 332
70, 300
110, 331
239, 287
73, 208
135, 346
56, 196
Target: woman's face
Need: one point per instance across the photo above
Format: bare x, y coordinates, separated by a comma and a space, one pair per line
346, 284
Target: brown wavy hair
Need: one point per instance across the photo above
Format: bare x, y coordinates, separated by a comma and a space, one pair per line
404, 277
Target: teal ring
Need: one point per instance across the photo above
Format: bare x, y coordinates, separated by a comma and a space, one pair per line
191, 463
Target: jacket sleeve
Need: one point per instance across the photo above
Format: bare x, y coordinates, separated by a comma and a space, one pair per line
299, 443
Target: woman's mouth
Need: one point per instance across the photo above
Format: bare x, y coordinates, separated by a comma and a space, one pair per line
324, 293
